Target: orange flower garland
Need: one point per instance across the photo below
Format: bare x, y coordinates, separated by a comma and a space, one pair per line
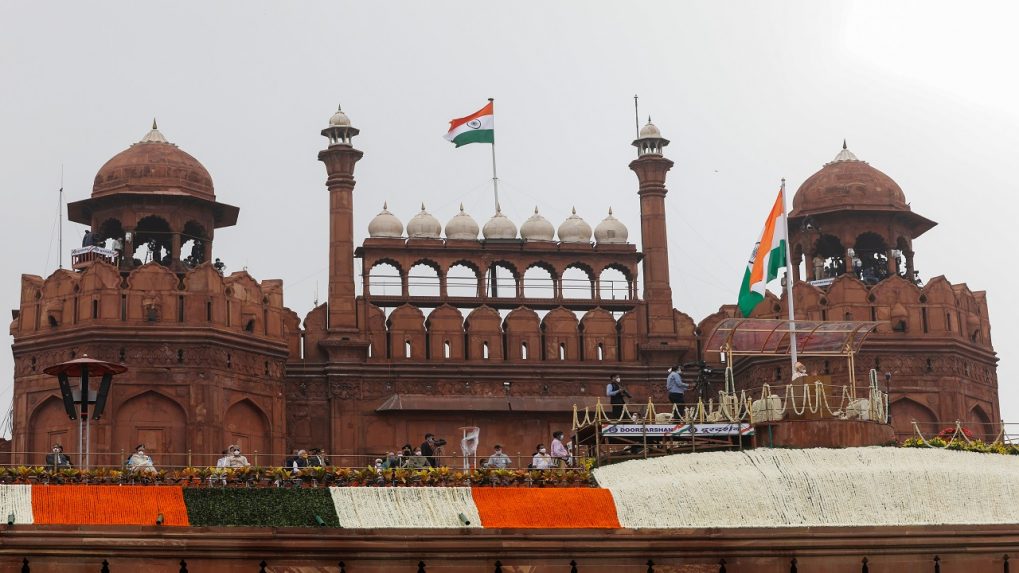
541, 508
108, 505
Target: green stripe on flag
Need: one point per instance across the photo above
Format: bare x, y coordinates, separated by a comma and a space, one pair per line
776, 261
475, 136
748, 299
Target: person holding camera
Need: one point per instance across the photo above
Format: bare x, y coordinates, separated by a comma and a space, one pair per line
617, 395
429, 449
676, 388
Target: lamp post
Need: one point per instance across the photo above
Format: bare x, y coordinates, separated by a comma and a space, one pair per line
77, 400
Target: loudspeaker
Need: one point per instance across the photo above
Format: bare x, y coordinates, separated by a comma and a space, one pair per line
101, 395
65, 393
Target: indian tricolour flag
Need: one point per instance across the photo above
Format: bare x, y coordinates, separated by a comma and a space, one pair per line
478, 127
768, 257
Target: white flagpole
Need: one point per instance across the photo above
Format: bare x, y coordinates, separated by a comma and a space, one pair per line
60, 218
495, 177
789, 283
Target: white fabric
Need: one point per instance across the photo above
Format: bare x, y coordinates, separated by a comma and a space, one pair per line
404, 507
815, 487
16, 499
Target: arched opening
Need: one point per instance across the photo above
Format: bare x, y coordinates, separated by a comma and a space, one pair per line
980, 424
384, 280
562, 351
110, 235
484, 350
194, 241
152, 241
613, 284
904, 411
245, 425
155, 421
523, 350
833, 256
445, 349
462, 281
406, 349
601, 351
577, 282
50, 425
423, 280
502, 281
539, 283
870, 261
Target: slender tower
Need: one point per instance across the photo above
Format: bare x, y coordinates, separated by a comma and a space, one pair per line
340, 158
652, 168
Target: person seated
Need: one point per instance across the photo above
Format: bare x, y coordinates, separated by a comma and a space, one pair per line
541, 459
235, 459
498, 460
139, 463
301, 461
392, 461
416, 461
57, 459
319, 458
224, 460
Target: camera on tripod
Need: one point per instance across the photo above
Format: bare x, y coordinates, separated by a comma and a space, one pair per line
703, 367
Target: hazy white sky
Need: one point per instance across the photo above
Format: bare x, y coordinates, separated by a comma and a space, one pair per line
748, 92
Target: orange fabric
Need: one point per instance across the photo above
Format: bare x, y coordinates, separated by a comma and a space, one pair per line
541, 508
108, 505
487, 110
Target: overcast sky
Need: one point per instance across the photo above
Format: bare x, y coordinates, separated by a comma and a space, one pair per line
748, 92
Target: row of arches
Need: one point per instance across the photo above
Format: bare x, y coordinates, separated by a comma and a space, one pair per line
870, 257
906, 410
465, 280
150, 418
153, 239
486, 335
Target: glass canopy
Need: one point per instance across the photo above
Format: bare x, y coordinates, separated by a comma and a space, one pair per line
771, 337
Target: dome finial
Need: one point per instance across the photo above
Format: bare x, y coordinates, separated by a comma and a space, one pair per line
385, 205
610, 210
154, 123
422, 206
535, 209
498, 207
339, 107
461, 207
574, 210
844, 143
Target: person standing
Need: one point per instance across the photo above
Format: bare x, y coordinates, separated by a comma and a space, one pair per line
428, 450
617, 395
676, 388
560, 454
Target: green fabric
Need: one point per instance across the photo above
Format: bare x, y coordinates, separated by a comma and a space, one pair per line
475, 136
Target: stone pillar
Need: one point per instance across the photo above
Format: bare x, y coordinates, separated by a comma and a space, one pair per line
174, 248
893, 269
909, 265
340, 159
651, 170
443, 292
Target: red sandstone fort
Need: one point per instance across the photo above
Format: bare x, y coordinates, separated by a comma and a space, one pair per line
450, 330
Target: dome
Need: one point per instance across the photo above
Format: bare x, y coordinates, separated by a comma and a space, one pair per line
847, 183
649, 130
385, 224
339, 119
611, 231
537, 228
424, 226
574, 230
499, 227
462, 226
156, 166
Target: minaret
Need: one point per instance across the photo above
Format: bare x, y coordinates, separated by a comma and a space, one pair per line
651, 168
340, 158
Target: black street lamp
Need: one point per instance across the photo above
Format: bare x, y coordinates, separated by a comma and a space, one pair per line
77, 400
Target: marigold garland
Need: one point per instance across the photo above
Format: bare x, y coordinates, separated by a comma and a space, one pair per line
546, 508
108, 505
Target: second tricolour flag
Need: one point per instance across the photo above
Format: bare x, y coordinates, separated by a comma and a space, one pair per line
478, 127
768, 257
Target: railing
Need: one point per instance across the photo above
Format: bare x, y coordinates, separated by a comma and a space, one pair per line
539, 288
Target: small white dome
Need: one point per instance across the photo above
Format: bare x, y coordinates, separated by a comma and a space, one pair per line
154, 135
339, 119
462, 226
537, 228
499, 227
424, 226
845, 154
385, 224
611, 231
574, 230
650, 130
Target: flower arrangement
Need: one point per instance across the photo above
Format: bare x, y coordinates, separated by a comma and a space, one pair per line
418, 507
574, 508
108, 505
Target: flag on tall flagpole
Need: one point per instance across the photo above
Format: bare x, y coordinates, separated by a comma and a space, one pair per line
768, 257
478, 127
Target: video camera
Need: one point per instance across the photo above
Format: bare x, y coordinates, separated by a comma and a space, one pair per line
438, 442
705, 370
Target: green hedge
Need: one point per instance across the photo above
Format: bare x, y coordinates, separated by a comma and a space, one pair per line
260, 507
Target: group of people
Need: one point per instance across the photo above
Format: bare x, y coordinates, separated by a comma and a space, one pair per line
314, 458
424, 456
560, 456
675, 387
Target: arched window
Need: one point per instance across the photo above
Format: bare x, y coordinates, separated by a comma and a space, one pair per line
538, 283
577, 283
406, 349
502, 281
369, 349
445, 349
523, 350
562, 351
193, 240
152, 240
484, 350
461, 281
423, 280
384, 280
601, 351
613, 285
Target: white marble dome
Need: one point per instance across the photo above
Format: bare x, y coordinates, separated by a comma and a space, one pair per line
339, 119
537, 228
499, 226
424, 226
385, 224
611, 231
462, 226
649, 130
574, 230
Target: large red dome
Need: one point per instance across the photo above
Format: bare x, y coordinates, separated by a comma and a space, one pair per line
154, 166
848, 183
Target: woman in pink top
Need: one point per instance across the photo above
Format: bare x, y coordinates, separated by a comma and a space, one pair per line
560, 454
